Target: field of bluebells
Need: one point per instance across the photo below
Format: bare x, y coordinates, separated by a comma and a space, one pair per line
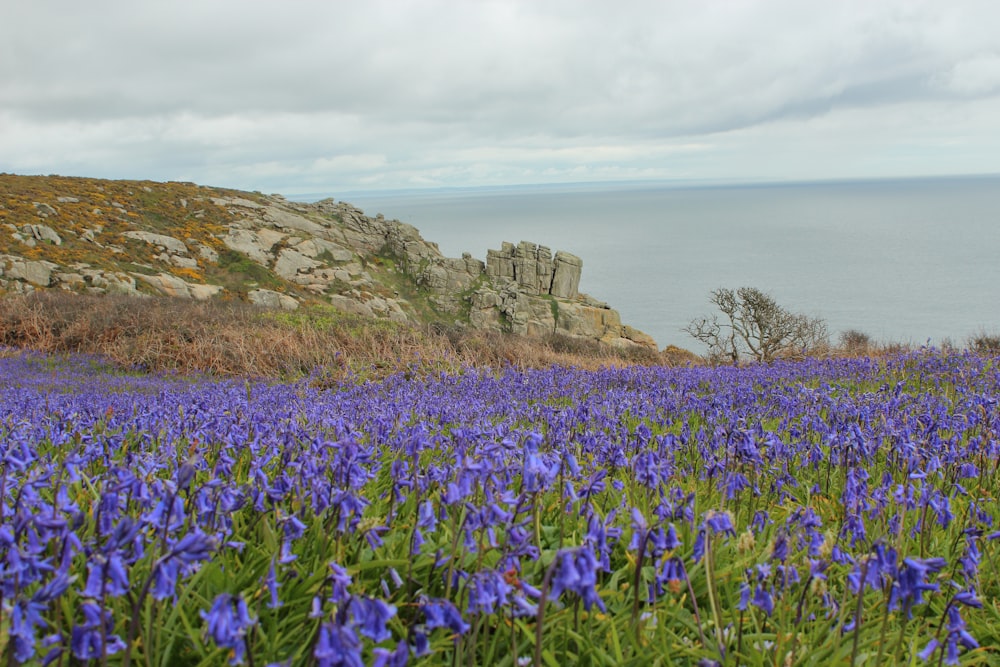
819, 513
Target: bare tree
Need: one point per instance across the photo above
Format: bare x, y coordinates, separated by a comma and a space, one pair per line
752, 325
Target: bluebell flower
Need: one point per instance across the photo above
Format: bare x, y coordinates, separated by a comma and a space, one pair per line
371, 616
165, 578
338, 646
397, 658
779, 552
316, 608
733, 483
272, 587
601, 538
185, 473
699, 546
228, 622
293, 527
576, 571
92, 637
488, 591
928, 650
426, 517
911, 582
759, 521
25, 617
745, 593
763, 600
194, 547
720, 522
968, 598
441, 613
421, 644
106, 575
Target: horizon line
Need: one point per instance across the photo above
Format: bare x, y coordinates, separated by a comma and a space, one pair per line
687, 183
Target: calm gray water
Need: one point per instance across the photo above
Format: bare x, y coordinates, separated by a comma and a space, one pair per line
902, 260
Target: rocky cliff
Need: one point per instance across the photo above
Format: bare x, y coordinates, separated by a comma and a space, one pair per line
190, 241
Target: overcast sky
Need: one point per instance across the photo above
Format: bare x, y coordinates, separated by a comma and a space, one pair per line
325, 96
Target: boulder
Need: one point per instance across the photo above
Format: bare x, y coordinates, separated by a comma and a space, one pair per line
207, 254
266, 298
349, 305
500, 263
578, 319
639, 337
69, 280
183, 262
111, 282
233, 203
287, 220
169, 243
256, 245
42, 233
566, 276
169, 285
44, 210
291, 263
314, 247
35, 272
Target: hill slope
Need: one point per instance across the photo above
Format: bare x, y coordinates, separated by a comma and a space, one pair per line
197, 242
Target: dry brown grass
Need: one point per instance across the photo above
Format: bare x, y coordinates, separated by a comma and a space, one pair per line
229, 338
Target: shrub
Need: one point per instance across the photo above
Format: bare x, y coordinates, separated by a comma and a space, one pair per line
855, 343
985, 343
754, 326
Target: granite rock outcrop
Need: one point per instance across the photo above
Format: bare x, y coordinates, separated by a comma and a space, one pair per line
189, 241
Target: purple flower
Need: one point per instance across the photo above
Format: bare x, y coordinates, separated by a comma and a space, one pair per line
759, 521
386, 658
576, 571
185, 473
228, 623
720, 522
371, 615
194, 547
699, 546
106, 575
165, 579
928, 650
968, 598
272, 587
911, 582
92, 637
780, 551
488, 590
339, 581
25, 616
338, 646
442, 613
426, 518
762, 600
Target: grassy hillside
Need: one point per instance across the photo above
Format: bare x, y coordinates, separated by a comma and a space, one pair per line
230, 338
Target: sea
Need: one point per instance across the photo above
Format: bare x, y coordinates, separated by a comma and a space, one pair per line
910, 261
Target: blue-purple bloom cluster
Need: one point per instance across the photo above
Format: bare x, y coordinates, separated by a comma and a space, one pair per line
710, 515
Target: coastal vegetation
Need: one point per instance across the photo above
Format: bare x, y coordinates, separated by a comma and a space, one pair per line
753, 326
822, 512
236, 339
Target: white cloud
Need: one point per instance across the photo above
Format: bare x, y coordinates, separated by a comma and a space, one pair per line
977, 76
390, 93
